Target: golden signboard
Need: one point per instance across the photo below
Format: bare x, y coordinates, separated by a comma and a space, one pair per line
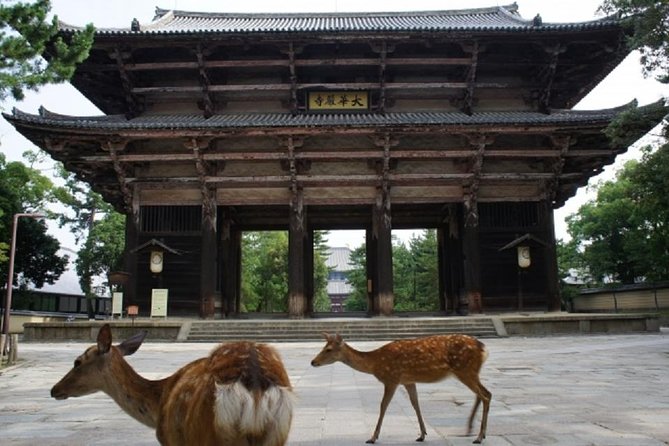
338, 100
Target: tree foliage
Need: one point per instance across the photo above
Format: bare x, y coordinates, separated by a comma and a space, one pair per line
415, 275
102, 251
622, 234
651, 31
265, 272
24, 189
26, 34
357, 277
97, 224
321, 272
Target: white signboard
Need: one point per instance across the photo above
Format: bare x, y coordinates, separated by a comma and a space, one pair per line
159, 302
117, 303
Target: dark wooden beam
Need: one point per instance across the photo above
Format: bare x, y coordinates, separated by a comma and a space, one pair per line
548, 76
207, 103
132, 106
121, 174
334, 85
468, 102
259, 63
293, 79
345, 154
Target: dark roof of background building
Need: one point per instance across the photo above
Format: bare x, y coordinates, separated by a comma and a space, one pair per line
490, 19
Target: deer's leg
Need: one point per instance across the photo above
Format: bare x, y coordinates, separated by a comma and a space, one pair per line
470, 423
482, 395
486, 396
413, 397
388, 392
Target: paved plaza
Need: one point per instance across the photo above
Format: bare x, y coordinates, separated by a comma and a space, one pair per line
563, 390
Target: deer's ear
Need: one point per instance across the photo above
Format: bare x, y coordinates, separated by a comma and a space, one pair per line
104, 339
338, 339
326, 336
130, 345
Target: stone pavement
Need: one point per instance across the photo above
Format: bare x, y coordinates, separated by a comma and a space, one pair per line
563, 390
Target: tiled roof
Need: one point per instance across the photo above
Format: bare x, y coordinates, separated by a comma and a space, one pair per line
338, 259
339, 288
499, 18
286, 120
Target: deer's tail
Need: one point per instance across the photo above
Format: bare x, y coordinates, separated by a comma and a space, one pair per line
264, 416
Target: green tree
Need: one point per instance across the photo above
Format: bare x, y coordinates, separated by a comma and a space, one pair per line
82, 204
24, 189
622, 235
26, 34
424, 251
357, 277
265, 271
648, 18
102, 251
602, 227
650, 247
321, 272
416, 273
264, 285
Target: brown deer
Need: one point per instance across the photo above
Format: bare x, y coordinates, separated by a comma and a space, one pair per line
239, 395
411, 361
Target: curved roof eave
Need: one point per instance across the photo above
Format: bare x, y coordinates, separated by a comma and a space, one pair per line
247, 121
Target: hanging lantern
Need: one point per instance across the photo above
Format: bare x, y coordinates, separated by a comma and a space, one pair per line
156, 261
524, 260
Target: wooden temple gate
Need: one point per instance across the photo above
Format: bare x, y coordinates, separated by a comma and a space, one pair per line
461, 121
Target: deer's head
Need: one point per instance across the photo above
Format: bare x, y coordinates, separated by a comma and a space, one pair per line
93, 367
332, 352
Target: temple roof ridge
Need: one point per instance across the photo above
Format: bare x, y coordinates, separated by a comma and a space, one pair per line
495, 18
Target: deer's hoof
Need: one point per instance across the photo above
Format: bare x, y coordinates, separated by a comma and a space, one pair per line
370, 441
421, 438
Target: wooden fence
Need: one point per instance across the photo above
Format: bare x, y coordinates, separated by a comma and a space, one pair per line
628, 298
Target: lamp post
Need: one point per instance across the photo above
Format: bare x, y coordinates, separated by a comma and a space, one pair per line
10, 277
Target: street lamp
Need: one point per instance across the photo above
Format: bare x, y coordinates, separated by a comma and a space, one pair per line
10, 278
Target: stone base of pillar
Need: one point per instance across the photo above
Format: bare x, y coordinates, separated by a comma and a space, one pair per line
386, 304
297, 306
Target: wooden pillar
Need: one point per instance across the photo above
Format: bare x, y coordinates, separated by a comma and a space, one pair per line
230, 255
442, 269
455, 261
309, 271
208, 241
552, 279
471, 249
472, 261
297, 242
130, 256
208, 250
370, 268
383, 286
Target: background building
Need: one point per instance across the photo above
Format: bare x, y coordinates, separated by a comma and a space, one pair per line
338, 287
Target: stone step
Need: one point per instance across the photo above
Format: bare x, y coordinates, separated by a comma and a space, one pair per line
311, 330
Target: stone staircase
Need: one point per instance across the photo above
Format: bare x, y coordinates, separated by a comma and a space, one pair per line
364, 329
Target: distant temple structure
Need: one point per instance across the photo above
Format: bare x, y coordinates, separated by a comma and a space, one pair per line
217, 123
338, 286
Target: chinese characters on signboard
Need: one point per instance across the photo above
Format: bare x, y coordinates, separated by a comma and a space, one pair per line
338, 100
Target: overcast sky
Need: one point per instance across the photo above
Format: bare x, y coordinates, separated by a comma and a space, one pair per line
623, 85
